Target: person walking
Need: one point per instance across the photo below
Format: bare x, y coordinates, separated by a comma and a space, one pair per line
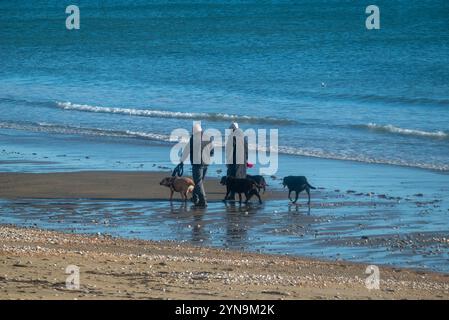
236, 154
200, 152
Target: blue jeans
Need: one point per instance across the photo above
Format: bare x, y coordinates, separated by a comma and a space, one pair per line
198, 173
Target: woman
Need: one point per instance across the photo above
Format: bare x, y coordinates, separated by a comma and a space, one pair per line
236, 154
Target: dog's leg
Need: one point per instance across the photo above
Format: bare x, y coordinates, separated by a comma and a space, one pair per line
171, 194
308, 194
258, 196
240, 198
297, 195
289, 195
228, 190
247, 197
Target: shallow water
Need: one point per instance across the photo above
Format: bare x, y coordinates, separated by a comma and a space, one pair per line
405, 219
338, 226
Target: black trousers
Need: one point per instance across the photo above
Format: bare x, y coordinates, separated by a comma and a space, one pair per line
198, 173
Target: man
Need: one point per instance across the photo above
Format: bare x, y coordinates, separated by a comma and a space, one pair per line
236, 154
200, 152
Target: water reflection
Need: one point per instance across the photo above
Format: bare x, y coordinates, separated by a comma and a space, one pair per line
296, 208
236, 226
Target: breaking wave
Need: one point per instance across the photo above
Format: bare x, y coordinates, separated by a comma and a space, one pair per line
173, 114
316, 153
61, 129
403, 131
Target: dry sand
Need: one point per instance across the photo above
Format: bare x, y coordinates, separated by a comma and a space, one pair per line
33, 263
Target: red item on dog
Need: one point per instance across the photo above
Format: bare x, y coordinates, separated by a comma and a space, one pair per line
249, 165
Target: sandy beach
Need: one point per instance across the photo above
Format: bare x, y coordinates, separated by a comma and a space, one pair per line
33, 263
343, 225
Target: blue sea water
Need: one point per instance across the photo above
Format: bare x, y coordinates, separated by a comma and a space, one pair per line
136, 70
107, 96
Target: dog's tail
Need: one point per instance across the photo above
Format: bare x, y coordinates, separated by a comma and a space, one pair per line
310, 186
190, 189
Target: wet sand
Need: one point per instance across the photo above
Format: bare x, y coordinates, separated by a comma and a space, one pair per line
104, 185
33, 264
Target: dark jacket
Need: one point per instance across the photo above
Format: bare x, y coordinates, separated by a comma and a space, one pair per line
189, 151
237, 169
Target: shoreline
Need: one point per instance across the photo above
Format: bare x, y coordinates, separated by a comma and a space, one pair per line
33, 260
343, 224
33, 263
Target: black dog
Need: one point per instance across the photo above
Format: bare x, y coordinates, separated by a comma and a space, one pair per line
246, 186
259, 180
297, 184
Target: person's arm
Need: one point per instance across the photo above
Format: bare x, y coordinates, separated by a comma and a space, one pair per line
208, 152
245, 142
211, 147
229, 149
186, 152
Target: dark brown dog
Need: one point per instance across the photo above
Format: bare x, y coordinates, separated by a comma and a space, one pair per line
183, 185
245, 186
297, 184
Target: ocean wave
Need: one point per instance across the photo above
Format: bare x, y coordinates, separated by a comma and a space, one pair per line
322, 154
287, 150
404, 131
361, 158
97, 132
173, 114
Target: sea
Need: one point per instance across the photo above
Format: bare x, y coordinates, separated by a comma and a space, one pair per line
355, 109
136, 70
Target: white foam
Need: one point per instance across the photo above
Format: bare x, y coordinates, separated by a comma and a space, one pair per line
316, 153
148, 135
403, 131
170, 114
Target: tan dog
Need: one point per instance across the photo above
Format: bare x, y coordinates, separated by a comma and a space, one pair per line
182, 185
